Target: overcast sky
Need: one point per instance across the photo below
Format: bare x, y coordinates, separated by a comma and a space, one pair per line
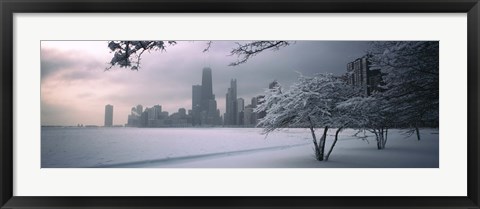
75, 86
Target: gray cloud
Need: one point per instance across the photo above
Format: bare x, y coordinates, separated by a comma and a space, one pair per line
166, 78
74, 65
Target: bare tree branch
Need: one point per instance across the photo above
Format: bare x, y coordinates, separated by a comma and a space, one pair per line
127, 54
209, 44
250, 49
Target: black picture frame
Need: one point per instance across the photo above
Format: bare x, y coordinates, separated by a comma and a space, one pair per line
9, 7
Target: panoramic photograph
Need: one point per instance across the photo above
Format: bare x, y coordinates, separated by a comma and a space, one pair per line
239, 104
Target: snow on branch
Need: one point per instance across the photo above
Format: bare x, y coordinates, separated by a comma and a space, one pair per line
310, 100
411, 76
128, 53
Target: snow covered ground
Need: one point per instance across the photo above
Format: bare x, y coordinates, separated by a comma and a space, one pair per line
228, 148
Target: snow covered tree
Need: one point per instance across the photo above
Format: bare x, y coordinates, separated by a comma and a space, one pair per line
371, 113
311, 103
127, 54
411, 70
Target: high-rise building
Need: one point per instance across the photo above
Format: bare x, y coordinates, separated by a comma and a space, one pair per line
196, 96
182, 112
196, 104
158, 110
362, 74
139, 109
154, 112
240, 104
213, 117
134, 117
154, 116
204, 105
231, 104
254, 102
248, 116
240, 108
252, 115
207, 88
108, 115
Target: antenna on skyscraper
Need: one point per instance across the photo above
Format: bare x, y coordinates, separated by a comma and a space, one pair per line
209, 56
206, 60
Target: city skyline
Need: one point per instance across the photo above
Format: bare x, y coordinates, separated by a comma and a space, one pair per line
75, 85
237, 113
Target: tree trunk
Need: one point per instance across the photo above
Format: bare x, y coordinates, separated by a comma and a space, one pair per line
322, 143
315, 144
418, 132
386, 137
377, 138
333, 144
379, 134
317, 150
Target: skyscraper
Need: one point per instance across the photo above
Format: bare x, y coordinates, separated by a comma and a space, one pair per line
204, 105
139, 109
240, 108
108, 115
362, 74
196, 96
248, 116
213, 117
231, 104
196, 103
134, 117
207, 92
254, 102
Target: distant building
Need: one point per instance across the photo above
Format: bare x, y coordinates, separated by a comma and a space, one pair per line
196, 103
240, 104
163, 114
363, 74
207, 88
231, 104
182, 112
144, 118
178, 119
249, 118
154, 115
240, 108
213, 116
254, 102
204, 105
139, 109
108, 115
134, 117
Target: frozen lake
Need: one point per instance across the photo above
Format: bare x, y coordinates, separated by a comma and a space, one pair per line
226, 148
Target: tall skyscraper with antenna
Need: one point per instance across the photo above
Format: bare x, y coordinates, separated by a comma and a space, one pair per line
204, 105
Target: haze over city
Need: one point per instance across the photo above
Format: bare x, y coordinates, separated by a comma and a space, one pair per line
188, 107
75, 87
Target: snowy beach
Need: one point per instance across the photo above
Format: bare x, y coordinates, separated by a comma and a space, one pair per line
229, 148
